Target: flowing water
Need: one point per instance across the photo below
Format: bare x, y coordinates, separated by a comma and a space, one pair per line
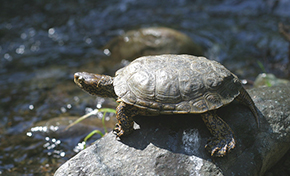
42, 43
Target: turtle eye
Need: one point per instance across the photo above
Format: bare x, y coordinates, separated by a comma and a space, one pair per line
78, 78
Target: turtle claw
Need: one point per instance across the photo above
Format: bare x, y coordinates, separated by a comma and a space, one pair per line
118, 131
218, 147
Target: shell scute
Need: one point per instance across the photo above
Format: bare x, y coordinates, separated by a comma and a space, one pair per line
142, 84
199, 106
167, 87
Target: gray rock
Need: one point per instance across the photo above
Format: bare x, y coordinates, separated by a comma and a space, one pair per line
174, 145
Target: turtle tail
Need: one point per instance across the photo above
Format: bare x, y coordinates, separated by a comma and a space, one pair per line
245, 99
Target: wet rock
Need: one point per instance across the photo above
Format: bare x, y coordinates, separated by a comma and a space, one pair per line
174, 145
57, 127
147, 41
52, 135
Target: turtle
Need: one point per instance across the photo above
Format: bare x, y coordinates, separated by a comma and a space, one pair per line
172, 84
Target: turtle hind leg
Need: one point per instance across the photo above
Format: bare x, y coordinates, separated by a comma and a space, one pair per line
246, 100
124, 115
223, 137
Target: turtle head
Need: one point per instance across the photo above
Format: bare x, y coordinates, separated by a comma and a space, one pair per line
95, 84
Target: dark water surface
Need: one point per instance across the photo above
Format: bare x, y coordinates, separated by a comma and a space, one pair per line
42, 43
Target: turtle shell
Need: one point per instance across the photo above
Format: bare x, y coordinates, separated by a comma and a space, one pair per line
176, 84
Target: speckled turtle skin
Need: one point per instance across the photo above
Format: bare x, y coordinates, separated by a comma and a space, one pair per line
172, 84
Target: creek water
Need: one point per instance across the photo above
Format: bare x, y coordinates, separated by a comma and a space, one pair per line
42, 44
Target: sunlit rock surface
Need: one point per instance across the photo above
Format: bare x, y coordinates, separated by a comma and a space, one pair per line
174, 145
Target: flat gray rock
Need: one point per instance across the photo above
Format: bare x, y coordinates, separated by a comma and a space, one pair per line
174, 145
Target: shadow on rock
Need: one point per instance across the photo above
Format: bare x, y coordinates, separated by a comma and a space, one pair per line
170, 132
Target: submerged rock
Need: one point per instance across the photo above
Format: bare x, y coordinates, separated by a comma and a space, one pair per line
174, 145
147, 41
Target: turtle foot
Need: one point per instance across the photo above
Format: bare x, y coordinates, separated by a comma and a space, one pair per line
119, 131
218, 147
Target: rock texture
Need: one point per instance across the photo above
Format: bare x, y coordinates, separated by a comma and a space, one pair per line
174, 145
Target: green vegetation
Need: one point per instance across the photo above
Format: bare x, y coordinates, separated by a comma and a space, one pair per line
94, 112
267, 81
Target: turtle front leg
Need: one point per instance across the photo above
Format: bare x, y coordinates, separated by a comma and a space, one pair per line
223, 139
124, 115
